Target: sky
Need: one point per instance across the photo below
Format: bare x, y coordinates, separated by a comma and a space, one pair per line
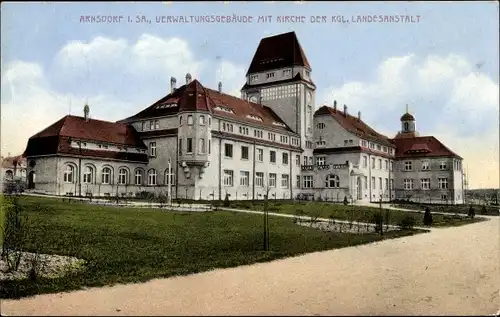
445, 66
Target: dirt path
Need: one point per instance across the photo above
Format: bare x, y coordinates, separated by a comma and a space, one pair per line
448, 271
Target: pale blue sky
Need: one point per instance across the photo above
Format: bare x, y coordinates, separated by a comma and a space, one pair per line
346, 61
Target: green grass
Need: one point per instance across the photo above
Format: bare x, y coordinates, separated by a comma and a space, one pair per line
354, 213
459, 209
124, 245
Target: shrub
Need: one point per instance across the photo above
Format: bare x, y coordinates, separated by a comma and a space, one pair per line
427, 217
407, 222
378, 220
484, 211
346, 202
471, 213
226, 201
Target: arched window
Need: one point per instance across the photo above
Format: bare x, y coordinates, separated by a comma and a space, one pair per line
152, 177
106, 175
9, 174
69, 174
332, 181
122, 176
88, 175
406, 125
169, 176
138, 176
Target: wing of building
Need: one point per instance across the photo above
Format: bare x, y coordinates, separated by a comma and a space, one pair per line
201, 143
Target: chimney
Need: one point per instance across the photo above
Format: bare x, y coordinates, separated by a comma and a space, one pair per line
173, 81
335, 105
188, 78
359, 115
86, 111
220, 87
345, 110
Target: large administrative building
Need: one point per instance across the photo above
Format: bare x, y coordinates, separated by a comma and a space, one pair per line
273, 140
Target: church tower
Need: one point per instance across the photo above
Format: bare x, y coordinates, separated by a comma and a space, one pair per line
408, 128
279, 77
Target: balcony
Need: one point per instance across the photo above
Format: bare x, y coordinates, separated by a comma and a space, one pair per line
320, 167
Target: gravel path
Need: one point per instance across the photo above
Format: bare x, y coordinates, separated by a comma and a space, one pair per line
451, 271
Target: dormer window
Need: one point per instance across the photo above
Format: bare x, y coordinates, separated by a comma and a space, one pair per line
253, 78
251, 116
225, 109
270, 75
279, 124
308, 74
287, 72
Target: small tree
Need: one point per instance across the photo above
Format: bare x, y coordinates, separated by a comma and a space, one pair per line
427, 217
15, 233
346, 202
471, 213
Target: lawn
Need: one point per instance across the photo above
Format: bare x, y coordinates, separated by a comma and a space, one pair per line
124, 245
354, 213
459, 209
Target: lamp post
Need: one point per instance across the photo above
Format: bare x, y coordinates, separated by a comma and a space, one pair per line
169, 185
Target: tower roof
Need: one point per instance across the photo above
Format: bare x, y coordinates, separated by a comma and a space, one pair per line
407, 117
278, 51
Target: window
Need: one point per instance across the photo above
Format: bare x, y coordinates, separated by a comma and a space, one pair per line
385, 149
363, 143
138, 177
69, 174
143, 126
190, 120
444, 197
209, 121
308, 74
122, 176
425, 165
408, 184
379, 148
254, 78
408, 166
298, 181
151, 125
332, 181
372, 146
392, 184
157, 124
180, 146
152, 177
259, 179
284, 158
305, 160
189, 146
180, 120
260, 155
373, 182
380, 164
320, 125
272, 180
202, 120
287, 72
387, 165
169, 176
209, 146
386, 187
380, 183
228, 178
392, 165
228, 150
308, 181
244, 178
285, 180
373, 162
244, 152
351, 142
201, 148
365, 161
270, 75
106, 175
442, 166
88, 174
366, 182
443, 183
320, 160
297, 160
425, 183
272, 156
152, 149
310, 160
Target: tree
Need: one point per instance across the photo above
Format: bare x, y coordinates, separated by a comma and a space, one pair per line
15, 233
346, 202
427, 217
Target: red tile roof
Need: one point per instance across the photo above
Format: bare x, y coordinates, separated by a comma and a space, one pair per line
195, 97
354, 125
424, 146
278, 51
55, 138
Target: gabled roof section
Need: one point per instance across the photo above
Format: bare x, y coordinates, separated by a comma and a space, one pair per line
278, 51
245, 111
424, 146
354, 125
